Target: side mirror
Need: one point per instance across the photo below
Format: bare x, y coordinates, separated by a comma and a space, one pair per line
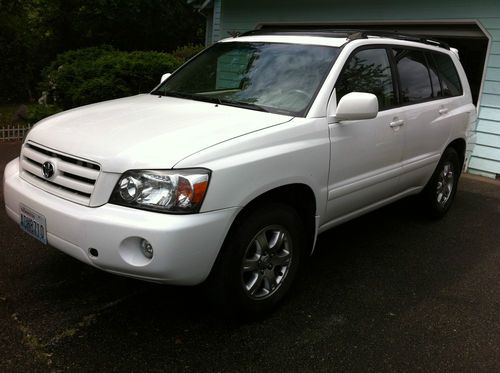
357, 106
165, 77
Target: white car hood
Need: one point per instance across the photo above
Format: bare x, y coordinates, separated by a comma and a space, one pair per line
146, 131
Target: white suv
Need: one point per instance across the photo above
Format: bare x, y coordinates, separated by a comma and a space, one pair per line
231, 167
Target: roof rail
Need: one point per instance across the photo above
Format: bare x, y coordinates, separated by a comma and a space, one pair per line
299, 32
364, 34
350, 34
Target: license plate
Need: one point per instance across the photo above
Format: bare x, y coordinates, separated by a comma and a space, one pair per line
33, 223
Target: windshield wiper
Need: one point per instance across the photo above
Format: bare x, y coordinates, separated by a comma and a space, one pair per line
176, 94
215, 100
188, 96
245, 105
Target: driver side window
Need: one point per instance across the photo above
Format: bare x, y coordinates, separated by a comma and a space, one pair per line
368, 71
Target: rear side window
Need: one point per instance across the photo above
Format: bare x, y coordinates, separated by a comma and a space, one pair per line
368, 70
450, 80
414, 77
436, 85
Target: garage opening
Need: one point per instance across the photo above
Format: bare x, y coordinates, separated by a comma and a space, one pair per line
469, 39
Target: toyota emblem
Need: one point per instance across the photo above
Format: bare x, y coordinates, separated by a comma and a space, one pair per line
48, 170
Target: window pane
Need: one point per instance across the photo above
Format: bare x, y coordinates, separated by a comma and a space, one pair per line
449, 76
231, 68
276, 77
436, 86
413, 75
368, 71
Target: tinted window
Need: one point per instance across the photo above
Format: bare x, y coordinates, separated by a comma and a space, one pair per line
448, 74
275, 77
368, 71
436, 86
415, 81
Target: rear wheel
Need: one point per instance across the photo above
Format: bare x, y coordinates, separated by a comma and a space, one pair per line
439, 193
259, 261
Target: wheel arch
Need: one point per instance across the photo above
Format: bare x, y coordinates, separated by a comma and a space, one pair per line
459, 145
299, 196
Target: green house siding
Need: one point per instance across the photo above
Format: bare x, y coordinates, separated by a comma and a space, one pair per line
216, 28
240, 16
485, 158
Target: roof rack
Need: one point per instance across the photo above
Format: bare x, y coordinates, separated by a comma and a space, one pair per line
364, 34
300, 32
350, 34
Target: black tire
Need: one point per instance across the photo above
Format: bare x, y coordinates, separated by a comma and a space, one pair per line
230, 284
439, 193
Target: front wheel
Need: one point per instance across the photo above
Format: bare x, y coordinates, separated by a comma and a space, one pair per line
259, 261
439, 193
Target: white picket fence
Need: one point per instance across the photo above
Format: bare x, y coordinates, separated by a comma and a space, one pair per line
13, 132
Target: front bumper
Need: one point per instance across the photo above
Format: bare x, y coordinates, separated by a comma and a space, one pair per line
185, 246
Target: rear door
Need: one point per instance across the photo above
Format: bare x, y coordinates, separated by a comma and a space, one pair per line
428, 112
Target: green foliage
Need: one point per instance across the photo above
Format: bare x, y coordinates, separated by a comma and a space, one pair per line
38, 112
15, 51
7, 113
90, 75
126, 24
185, 52
33, 32
35, 113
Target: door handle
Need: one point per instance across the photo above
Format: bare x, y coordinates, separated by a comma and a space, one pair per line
443, 110
396, 123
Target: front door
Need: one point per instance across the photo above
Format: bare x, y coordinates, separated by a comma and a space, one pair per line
366, 155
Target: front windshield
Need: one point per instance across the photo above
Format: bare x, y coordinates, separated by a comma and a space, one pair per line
275, 77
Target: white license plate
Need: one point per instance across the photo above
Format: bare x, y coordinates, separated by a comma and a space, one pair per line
33, 223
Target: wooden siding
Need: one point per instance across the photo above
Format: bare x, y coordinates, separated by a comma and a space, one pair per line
485, 158
245, 15
216, 25
240, 16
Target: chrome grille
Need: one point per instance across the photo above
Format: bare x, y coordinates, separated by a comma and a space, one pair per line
74, 179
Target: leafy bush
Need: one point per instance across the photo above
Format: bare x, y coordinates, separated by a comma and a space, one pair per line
90, 75
33, 32
38, 112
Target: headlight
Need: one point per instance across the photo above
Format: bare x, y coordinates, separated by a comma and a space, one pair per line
174, 191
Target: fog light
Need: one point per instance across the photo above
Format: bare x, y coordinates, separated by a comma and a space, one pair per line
147, 249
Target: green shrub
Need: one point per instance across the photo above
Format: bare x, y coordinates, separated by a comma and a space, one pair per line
38, 112
90, 75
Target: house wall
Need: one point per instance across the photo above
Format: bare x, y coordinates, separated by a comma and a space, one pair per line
216, 25
239, 16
